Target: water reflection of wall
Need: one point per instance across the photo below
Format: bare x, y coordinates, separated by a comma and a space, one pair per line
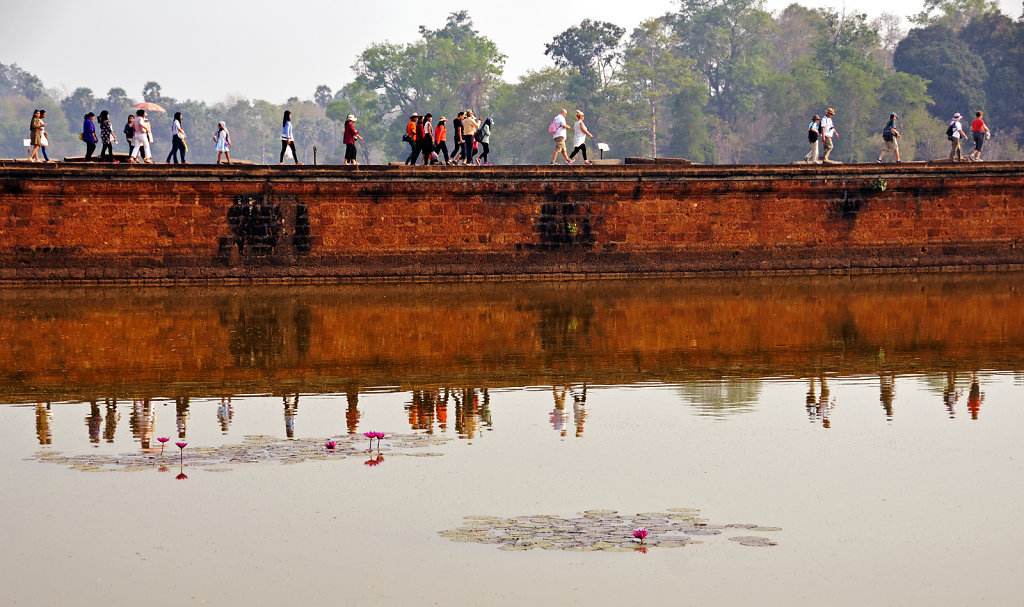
84, 344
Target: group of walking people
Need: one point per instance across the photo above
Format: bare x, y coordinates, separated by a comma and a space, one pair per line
470, 135
822, 129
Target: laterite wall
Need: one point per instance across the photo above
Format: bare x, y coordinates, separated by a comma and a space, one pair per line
116, 222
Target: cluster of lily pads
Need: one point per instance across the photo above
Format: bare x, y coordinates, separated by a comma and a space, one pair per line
603, 530
255, 449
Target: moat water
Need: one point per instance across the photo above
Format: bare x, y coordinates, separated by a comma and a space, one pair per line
836, 440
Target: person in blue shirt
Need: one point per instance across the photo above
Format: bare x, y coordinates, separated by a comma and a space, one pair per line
89, 135
288, 138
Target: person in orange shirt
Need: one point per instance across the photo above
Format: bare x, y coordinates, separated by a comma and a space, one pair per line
410, 138
440, 132
980, 132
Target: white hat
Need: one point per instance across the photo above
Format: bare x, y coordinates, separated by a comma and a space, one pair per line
351, 117
957, 116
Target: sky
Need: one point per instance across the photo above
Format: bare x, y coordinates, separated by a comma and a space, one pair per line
213, 50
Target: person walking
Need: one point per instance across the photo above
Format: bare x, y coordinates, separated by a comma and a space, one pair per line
485, 140
143, 132
44, 141
129, 134
579, 138
457, 138
410, 138
440, 135
177, 140
107, 138
287, 138
891, 138
558, 129
828, 135
349, 139
35, 130
223, 139
980, 132
469, 127
813, 135
89, 135
425, 137
955, 133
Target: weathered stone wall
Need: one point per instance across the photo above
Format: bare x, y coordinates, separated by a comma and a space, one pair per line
116, 222
99, 222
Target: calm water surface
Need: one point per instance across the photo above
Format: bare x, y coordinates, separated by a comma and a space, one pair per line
874, 420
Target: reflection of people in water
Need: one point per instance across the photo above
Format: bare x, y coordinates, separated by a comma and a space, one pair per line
442, 411
470, 412
291, 409
352, 411
974, 397
819, 407
43, 419
887, 389
225, 413
950, 394
579, 413
558, 415
112, 417
142, 421
94, 421
181, 415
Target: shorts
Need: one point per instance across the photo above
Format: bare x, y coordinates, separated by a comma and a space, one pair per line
350, 151
892, 145
559, 144
979, 140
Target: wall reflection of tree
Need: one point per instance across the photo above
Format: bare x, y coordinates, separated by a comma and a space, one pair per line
721, 397
44, 418
564, 328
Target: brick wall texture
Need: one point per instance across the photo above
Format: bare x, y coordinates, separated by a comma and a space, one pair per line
77, 222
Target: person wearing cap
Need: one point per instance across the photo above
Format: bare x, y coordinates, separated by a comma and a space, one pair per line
890, 136
440, 134
954, 138
469, 126
828, 133
410, 138
813, 135
349, 139
980, 132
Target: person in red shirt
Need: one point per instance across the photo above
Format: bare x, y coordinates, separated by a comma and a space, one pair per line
349, 139
410, 138
440, 132
980, 131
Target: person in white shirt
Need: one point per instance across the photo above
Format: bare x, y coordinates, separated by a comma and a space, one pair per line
142, 135
958, 133
177, 140
288, 138
828, 133
559, 136
813, 135
579, 138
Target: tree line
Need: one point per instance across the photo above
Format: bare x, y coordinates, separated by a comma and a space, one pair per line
715, 81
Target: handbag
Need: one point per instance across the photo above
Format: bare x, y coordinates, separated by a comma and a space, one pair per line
149, 136
288, 154
43, 141
81, 136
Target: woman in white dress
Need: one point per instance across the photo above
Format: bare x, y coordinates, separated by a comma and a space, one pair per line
579, 138
223, 139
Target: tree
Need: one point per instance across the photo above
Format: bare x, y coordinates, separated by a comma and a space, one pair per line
652, 74
16, 81
956, 74
365, 105
76, 105
151, 92
322, 96
589, 50
954, 14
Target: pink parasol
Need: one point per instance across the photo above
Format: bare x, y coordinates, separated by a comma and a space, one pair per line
149, 107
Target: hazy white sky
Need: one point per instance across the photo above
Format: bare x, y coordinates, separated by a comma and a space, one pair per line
213, 49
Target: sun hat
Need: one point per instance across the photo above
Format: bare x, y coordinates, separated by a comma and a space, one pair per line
414, 115
830, 111
957, 116
351, 117
441, 119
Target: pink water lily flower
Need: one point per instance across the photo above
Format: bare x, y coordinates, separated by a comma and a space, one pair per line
330, 445
379, 436
182, 447
640, 534
162, 439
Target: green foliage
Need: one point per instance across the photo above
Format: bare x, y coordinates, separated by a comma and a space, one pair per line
956, 74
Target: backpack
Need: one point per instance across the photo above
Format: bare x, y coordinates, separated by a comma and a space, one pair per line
950, 131
553, 127
887, 133
479, 134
